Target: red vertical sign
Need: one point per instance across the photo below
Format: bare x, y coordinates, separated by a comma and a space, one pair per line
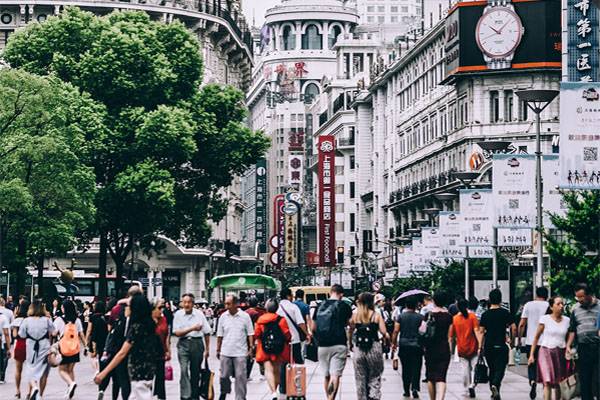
326, 149
279, 228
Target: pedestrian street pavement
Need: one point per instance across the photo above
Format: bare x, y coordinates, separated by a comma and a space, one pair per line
515, 386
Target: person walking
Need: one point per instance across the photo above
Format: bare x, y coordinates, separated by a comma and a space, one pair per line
255, 311
5, 347
235, 344
410, 351
551, 361
293, 315
69, 331
272, 337
20, 344
584, 331
192, 328
366, 324
162, 331
530, 317
437, 349
38, 329
493, 325
329, 325
465, 328
142, 349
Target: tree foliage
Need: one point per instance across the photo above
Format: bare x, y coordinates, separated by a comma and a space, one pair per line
171, 146
574, 253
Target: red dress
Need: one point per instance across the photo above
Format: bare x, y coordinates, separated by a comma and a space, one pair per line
162, 331
261, 356
20, 351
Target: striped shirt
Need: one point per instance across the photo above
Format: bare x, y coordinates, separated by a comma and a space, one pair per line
583, 322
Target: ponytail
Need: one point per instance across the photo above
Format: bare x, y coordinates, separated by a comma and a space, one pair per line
463, 307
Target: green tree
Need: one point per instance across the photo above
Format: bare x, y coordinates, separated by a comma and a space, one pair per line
171, 147
574, 253
46, 190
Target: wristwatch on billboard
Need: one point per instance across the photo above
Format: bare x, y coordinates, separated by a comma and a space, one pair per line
498, 33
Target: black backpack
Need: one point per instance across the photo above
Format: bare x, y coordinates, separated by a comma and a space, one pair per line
273, 339
427, 336
327, 328
366, 335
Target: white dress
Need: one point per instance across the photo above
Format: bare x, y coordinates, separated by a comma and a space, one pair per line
36, 362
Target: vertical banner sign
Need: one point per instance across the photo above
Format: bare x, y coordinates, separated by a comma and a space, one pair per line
552, 200
430, 238
450, 236
582, 50
405, 262
579, 135
418, 261
476, 211
278, 241
513, 185
260, 218
326, 148
295, 170
291, 239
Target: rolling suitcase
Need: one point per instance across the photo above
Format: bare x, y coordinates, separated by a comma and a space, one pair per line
295, 382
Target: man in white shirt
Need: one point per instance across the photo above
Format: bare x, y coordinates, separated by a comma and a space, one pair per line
7, 317
235, 343
530, 317
295, 320
190, 326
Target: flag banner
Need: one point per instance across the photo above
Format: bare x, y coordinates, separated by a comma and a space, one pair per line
430, 239
451, 242
476, 213
481, 252
513, 186
514, 237
553, 201
579, 135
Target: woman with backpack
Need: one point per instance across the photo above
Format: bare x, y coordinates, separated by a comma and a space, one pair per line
20, 352
69, 331
465, 327
37, 328
368, 352
437, 349
272, 336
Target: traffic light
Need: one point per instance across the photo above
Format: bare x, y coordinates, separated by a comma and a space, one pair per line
340, 255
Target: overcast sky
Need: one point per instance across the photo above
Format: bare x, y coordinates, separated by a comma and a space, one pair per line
257, 8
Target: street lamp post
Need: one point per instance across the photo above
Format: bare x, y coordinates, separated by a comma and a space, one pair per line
537, 101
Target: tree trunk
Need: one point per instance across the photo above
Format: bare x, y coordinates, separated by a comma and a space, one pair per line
102, 261
119, 280
40, 276
21, 266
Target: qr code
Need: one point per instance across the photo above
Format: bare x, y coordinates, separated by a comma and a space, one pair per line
513, 203
452, 242
590, 154
476, 227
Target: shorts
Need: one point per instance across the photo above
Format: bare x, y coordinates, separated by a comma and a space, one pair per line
332, 359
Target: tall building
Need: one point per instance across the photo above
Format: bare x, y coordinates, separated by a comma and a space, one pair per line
227, 48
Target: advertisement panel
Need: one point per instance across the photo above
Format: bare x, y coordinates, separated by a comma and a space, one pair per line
552, 199
579, 135
326, 183
405, 264
514, 237
260, 209
430, 237
450, 236
418, 256
476, 213
291, 239
513, 186
481, 252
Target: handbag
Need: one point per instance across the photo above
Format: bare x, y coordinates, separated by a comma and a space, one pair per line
481, 371
569, 387
312, 351
54, 356
207, 378
168, 372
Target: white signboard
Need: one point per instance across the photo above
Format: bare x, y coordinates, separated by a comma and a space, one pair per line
552, 200
514, 237
418, 256
579, 135
430, 237
450, 236
513, 185
481, 252
405, 262
476, 212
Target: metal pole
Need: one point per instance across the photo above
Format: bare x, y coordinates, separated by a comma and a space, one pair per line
467, 278
495, 258
538, 179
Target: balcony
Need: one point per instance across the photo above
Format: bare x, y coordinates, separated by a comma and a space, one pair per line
423, 186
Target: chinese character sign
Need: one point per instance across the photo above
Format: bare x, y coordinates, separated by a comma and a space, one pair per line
476, 211
326, 182
514, 237
260, 223
430, 239
451, 242
579, 135
582, 50
291, 239
514, 190
279, 229
295, 169
552, 199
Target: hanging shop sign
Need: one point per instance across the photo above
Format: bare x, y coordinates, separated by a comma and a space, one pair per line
513, 186
260, 208
295, 170
291, 239
476, 212
582, 41
326, 183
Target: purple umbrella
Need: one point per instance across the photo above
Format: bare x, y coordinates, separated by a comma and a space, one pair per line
409, 293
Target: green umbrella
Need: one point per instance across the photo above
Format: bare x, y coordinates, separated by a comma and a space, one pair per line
245, 281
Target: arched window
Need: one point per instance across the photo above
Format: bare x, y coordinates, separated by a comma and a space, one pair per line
312, 39
288, 38
311, 91
333, 35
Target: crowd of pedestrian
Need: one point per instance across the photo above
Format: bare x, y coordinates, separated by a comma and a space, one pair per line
128, 341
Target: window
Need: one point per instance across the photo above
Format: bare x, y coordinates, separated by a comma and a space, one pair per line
381, 19
380, 8
333, 35
352, 253
311, 92
339, 189
289, 38
339, 170
404, 9
394, 9
352, 162
312, 39
494, 106
352, 222
370, 18
394, 18
339, 207
508, 105
370, 8
339, 226
352, 190
523, 111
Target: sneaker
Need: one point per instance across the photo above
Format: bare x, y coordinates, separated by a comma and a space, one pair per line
495, 394
472, 392
100, 395
415, 394
406, 394
34, 393
532, 392
2, 381
274, 396
71, 390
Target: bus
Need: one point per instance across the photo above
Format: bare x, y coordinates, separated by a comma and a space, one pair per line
313, 293
86, 284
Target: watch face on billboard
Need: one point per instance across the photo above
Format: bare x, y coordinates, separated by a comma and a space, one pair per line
499, 32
